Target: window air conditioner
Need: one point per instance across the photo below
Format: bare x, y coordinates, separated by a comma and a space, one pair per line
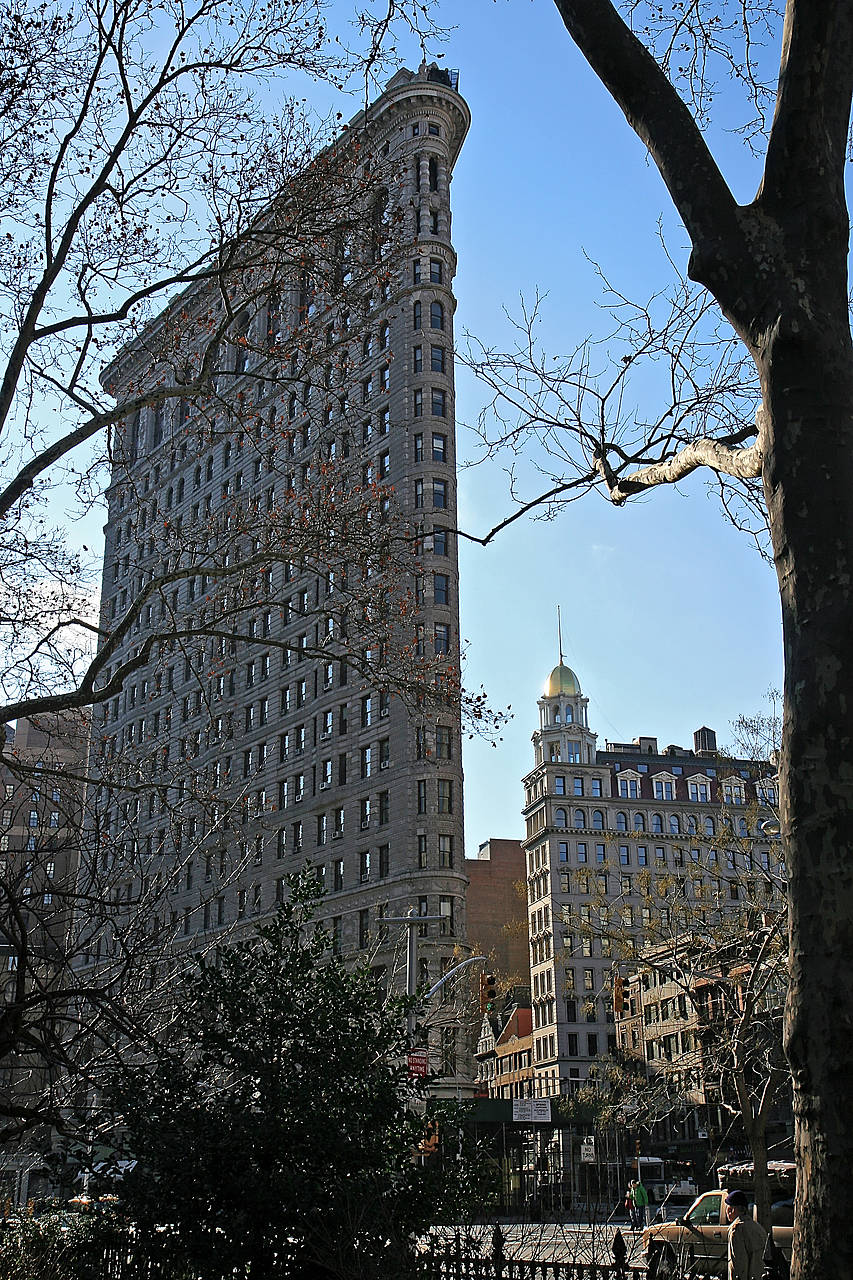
365, 824
383, 764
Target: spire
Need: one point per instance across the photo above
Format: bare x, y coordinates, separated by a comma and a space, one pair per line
559, 635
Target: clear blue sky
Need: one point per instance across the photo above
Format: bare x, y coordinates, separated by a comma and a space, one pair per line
670, 619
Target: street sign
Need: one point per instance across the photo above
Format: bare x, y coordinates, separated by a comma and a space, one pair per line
588, 1151
531, 1110
418, 1062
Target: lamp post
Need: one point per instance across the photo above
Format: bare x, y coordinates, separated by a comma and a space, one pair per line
411, 920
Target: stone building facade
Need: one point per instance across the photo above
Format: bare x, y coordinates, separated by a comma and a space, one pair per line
612, 838
276, 745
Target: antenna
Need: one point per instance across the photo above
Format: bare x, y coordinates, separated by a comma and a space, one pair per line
559, 634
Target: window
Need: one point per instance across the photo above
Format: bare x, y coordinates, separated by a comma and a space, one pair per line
439, 495
384, 860
363, 928
436, 316
445, 910
582, 853
439, 542
560, 785
416, 271
445, 851
445, 795
441, 588
418, 402
436, 273
417, 359
416, 316
438, 402
338, 875
437, 359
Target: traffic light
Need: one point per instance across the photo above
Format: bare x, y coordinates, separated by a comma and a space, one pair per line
618, 995
488, 992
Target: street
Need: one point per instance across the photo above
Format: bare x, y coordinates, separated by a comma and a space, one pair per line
549, 1241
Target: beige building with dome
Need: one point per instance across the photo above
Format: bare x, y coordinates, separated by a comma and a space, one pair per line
609, 834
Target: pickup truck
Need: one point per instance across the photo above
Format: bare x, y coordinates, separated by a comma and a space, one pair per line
697, 1244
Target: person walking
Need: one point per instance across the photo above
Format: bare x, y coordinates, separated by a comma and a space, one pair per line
641, 1204
631, 1207
747, 1239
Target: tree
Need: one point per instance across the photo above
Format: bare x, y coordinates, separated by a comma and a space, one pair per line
776, 269
279, 1135
156, 176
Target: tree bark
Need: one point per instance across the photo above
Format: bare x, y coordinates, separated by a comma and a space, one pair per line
808, 483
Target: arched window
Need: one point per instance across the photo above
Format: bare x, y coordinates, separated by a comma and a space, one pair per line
169, 500
657, 823
709, 826
674, 825
741, 827
433, 174
367, 346
436, 316
560, 818
384, 336
570, 715
691, 826
597, 820
580, 819
621, 821
639, 822
556, 715
416, 315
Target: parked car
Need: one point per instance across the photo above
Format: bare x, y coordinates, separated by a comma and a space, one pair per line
697, 1244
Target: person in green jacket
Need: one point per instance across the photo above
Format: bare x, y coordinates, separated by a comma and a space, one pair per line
641, 1203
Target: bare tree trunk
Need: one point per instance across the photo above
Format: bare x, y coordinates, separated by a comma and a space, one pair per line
808, 479
757, 1134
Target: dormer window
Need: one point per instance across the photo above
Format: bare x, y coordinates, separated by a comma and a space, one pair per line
733, 792
699, 788
629, 785
664, 784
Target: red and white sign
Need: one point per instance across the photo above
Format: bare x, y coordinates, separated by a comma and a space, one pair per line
418, 1062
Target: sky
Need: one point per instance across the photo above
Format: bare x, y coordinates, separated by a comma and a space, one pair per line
670, 619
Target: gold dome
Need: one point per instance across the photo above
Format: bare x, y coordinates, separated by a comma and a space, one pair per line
562, 680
